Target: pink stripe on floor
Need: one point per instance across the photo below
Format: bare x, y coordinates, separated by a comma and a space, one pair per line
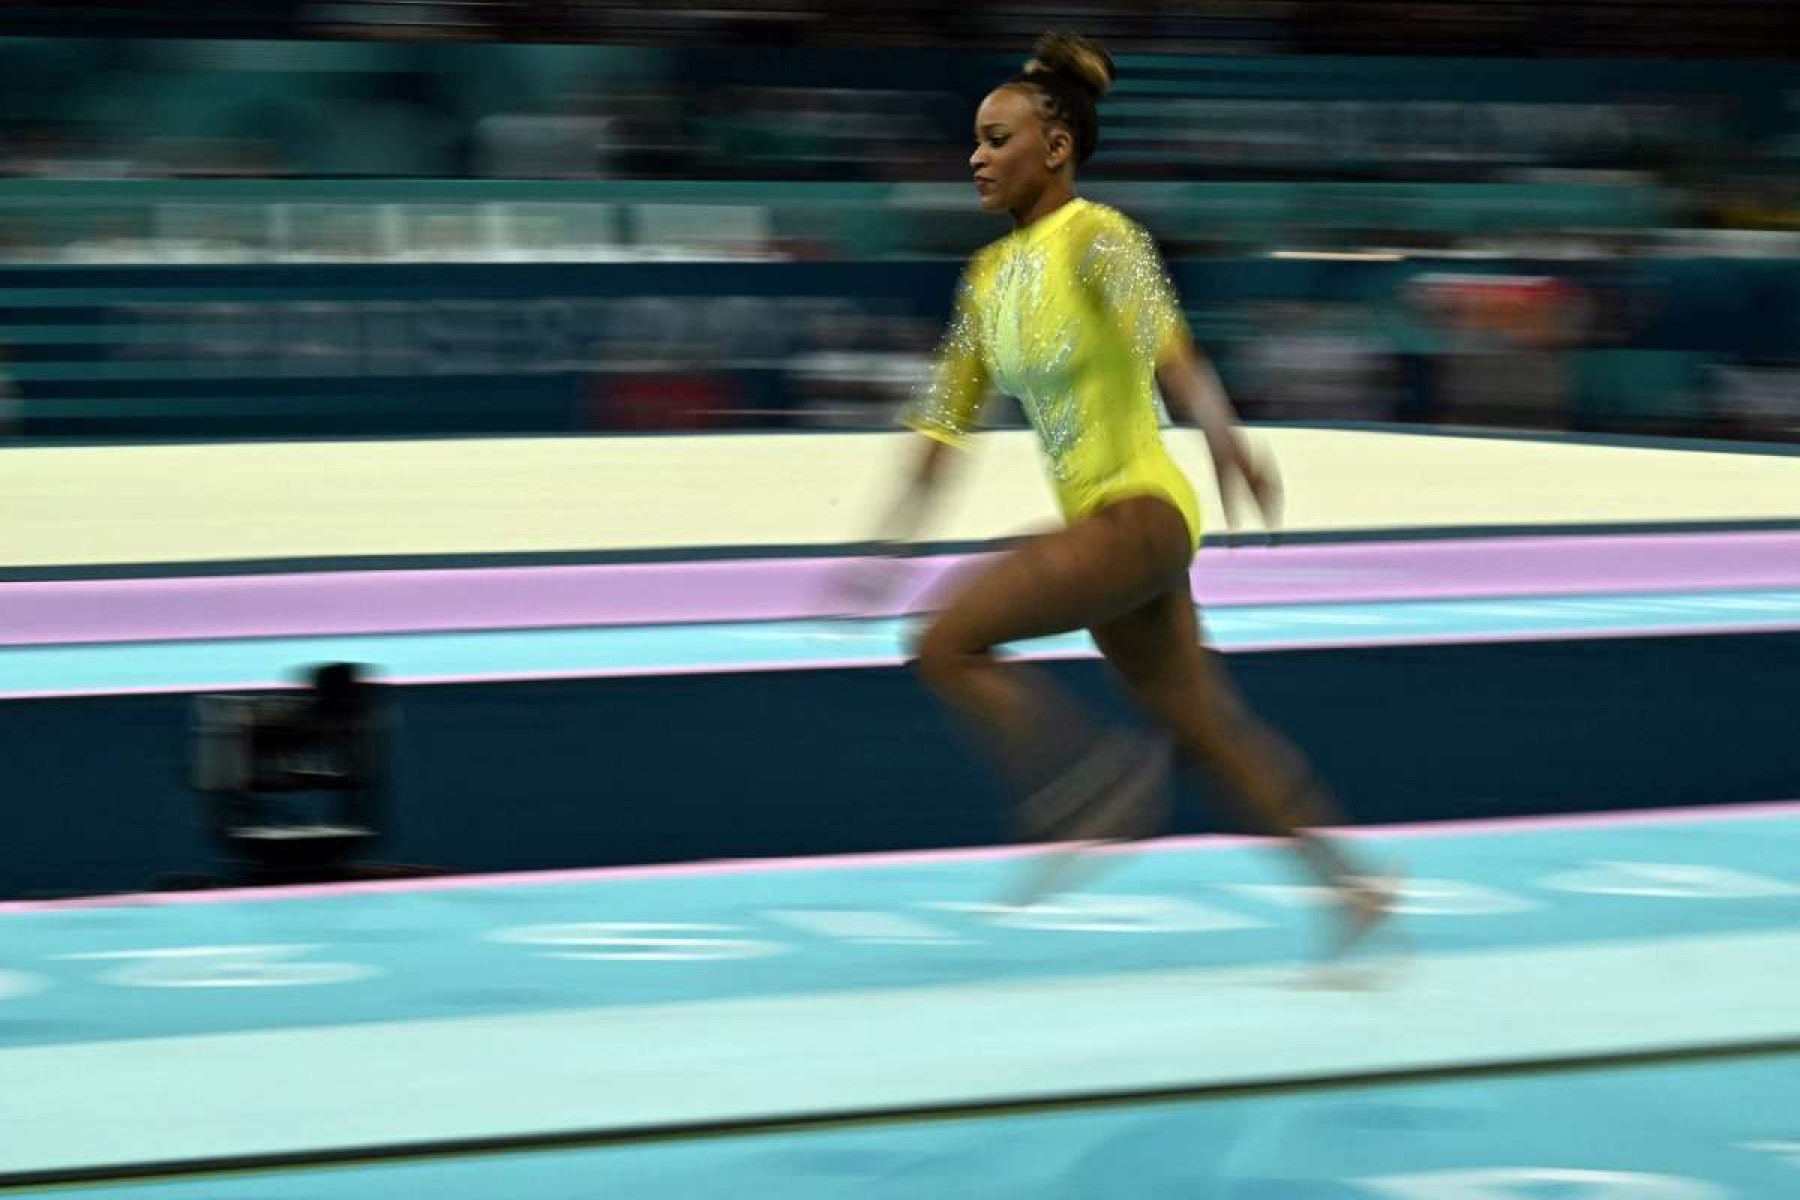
326, 603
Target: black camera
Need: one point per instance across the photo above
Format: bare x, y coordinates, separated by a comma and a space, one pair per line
294, 780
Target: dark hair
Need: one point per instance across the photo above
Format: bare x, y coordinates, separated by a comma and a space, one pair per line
1069, 74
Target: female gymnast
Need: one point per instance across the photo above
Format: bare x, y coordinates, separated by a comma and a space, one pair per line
1073, 315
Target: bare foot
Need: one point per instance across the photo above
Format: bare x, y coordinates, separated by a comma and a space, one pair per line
1365, 904
1364, 907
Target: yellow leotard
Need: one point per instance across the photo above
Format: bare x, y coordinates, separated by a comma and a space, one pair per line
1069, 316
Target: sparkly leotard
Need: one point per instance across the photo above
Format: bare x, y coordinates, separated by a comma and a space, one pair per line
1070, 316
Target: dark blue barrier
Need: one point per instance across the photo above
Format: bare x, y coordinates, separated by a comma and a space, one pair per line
557, 774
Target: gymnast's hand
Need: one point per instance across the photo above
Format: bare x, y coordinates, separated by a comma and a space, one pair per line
1189, 382
869, 584
1237, 462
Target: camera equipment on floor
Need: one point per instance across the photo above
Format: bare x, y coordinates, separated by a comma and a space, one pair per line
294, 780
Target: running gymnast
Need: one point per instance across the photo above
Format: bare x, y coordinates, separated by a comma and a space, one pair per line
1073, 315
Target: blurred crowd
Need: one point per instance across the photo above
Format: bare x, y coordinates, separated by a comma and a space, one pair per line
1483, 27
1552, 137
1448, 348
180, 108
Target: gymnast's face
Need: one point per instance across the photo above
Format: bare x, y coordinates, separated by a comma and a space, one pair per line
1017, 154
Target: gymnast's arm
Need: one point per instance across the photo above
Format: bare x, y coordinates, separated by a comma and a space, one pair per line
1191, 386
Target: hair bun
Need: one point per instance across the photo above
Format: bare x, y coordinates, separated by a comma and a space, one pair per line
1081, 61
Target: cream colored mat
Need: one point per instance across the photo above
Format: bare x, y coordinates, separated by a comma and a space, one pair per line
146, 504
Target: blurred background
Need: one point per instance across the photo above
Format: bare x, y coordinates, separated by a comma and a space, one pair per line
296, 218
329, 554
